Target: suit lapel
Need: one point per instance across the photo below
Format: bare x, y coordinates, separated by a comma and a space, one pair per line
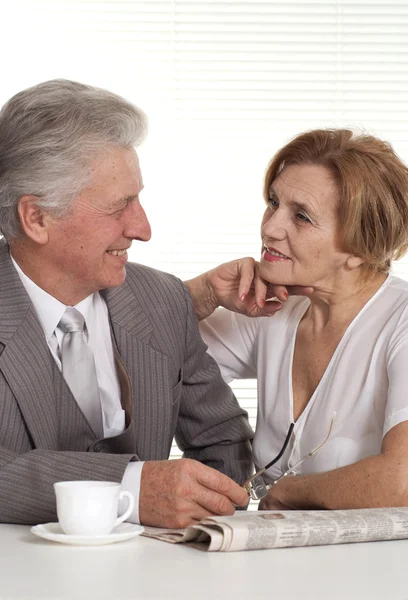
25, 361
26, 365
126, 312
148, 372
50, 412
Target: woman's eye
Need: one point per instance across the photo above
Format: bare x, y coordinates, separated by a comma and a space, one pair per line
273, 202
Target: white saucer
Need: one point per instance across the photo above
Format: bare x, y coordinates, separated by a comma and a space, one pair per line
54, 533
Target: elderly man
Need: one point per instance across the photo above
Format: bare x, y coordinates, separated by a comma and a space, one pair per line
101, 363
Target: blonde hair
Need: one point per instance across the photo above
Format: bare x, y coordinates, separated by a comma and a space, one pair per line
373, 186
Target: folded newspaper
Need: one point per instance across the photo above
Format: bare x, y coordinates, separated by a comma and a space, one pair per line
285, 529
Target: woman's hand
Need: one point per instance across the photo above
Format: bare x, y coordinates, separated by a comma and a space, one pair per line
271, 502
374, 482
237, 286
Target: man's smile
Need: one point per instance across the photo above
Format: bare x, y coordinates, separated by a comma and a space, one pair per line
117, 252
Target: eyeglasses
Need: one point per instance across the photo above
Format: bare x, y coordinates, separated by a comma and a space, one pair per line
256, 487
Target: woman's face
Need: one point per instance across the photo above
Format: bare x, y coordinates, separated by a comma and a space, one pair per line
300, 229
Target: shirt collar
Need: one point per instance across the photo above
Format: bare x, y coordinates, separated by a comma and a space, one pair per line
48, 308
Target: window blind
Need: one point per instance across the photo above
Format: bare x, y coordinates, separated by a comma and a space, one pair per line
225, 84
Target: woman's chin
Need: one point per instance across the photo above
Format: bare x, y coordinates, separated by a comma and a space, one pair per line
280, 276
274, 273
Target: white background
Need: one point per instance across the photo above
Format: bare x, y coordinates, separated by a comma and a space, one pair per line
224, 84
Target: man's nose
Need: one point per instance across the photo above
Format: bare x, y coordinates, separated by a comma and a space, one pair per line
137, 224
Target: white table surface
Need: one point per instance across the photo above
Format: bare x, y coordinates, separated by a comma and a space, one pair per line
148, 569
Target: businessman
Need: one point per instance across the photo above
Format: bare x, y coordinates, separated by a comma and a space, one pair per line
101, 362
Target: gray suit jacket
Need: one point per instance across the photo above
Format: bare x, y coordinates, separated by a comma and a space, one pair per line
174, 389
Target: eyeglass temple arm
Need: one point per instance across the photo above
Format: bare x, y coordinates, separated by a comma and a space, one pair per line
302, 460
262, 471
279, 456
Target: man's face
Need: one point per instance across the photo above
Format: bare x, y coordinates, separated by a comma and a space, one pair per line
87, 249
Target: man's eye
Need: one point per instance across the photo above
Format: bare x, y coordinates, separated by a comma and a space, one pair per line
303, 217
273, 202
116, 214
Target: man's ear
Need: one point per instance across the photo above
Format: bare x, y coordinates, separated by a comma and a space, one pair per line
353, 262
33, 219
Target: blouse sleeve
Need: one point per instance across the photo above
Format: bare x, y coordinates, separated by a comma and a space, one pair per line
396, 410
231, 340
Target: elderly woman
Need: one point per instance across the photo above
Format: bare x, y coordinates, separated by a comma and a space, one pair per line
334, 363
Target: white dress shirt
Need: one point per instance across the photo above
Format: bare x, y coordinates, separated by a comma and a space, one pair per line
95, 312
365, 383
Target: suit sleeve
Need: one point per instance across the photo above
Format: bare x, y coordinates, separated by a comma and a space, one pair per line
26, 480
212, 428
28, 470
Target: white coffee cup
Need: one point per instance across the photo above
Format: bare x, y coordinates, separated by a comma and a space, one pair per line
90, 507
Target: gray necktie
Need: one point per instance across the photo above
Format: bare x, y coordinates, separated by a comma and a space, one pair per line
78, 368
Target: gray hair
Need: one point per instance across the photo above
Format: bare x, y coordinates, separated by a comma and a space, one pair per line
49, 134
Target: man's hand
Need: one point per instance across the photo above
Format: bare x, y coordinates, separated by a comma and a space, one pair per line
237, 286
178, 493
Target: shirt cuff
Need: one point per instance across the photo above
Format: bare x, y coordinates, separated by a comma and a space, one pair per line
131, 483
395, 419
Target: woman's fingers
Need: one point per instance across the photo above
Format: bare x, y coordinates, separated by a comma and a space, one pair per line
282, 292
246, 269
277, 291
261, 288
238, 286
271, 307
300, 290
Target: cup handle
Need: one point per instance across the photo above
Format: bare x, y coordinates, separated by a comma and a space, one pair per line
128, 511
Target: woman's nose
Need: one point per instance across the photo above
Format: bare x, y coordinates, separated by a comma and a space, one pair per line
274, 224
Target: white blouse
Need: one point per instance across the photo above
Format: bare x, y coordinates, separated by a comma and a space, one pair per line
365, 383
